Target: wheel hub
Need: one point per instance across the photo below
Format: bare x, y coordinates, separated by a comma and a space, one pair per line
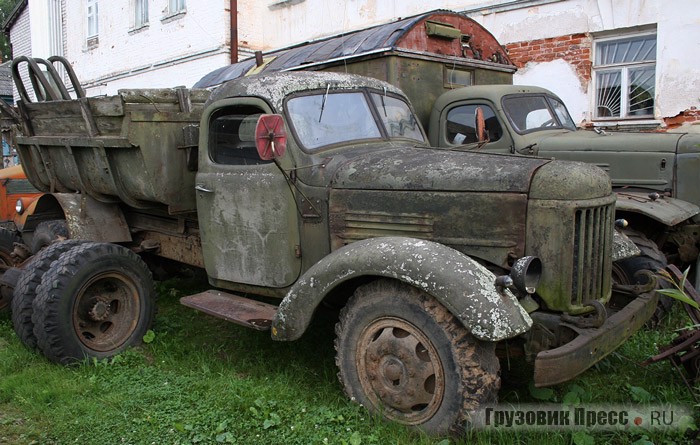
400, 370
100, 310
106, 311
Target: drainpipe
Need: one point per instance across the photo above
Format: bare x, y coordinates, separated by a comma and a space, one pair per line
234, 31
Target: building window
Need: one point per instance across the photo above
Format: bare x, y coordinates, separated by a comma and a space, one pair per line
140, 13
176, 6
625, 77
55, 30
92, 23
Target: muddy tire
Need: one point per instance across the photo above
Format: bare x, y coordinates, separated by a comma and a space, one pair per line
93, 302
401, 354
650, 259
47, 232
26, 288
8, 239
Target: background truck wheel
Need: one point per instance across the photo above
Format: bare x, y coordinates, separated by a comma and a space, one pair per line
401, 354
8, 239
95, 301
25, 290
651, 258
47, 232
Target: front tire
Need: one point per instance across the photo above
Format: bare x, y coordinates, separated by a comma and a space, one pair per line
401, 354
94, 302
651, 259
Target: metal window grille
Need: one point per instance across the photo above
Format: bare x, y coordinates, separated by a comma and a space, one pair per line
625, 77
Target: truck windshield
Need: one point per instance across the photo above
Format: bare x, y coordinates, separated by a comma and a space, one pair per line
325, 119
528, 113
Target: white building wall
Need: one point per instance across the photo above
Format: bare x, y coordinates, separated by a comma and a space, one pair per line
168, 52
678, 44
180, 50
21, 42
272, 24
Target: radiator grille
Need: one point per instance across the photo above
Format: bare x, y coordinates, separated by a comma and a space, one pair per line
592, 261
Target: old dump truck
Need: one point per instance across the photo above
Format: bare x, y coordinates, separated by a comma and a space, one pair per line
453, 70
313, 188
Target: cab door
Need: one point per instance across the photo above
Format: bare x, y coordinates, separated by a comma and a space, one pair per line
247, 213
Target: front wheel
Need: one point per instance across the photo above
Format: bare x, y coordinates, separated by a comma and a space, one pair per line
401, 354
95, 301
652, 259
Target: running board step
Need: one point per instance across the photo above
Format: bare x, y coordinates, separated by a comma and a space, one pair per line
243, 311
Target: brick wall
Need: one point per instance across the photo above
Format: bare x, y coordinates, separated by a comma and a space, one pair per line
689, 116
575, 49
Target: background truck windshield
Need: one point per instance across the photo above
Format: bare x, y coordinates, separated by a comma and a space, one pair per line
529, 113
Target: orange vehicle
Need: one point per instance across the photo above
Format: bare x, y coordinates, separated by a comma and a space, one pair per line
16, 193
14, 188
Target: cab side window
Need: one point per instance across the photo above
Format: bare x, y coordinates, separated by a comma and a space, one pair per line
232, 136
461, 124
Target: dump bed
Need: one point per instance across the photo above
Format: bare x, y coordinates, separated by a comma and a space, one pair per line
137, 147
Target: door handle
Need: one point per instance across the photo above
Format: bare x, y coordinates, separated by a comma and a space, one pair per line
201, 188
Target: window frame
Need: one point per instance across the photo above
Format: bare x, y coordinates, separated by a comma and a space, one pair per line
176, 6
141, 16
624, 71
92, 17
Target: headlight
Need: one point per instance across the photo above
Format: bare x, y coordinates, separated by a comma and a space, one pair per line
19, 207
524, 276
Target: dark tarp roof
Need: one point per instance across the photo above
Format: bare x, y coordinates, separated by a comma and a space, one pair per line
346, 45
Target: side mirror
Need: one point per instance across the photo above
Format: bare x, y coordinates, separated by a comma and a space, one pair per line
270, 137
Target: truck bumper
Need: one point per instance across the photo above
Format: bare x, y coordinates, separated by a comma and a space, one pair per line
592, 344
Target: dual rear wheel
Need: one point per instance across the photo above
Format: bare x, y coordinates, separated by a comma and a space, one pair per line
80, 300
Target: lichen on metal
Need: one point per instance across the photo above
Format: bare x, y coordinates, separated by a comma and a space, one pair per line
463, 286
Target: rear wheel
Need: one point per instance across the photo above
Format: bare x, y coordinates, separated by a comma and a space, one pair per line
47, 232
8, 239
401, 354
95, 301
26, 288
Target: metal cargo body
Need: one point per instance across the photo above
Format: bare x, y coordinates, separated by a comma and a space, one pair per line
137, 146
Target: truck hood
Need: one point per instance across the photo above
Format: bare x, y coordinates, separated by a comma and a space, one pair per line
410, 168
588, 140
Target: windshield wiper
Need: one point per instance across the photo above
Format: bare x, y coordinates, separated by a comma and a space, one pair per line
323, 103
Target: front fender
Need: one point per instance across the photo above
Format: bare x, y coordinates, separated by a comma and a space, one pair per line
666, 210
463, 286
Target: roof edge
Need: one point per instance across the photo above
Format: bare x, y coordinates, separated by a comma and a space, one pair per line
14, 15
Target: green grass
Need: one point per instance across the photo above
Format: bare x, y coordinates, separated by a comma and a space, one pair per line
202, 380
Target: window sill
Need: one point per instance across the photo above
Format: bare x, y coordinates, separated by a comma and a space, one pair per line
172, 17
136, 30
92, 43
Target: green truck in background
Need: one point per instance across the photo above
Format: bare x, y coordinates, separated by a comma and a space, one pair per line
459, 78
317, 189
